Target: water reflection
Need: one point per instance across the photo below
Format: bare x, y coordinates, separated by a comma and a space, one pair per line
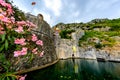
78, 69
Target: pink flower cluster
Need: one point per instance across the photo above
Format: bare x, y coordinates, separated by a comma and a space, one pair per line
35, 51
25, 23
8, 21
21, 24
34, 38
28, 23
20, 41
19, 29
23, 77
8, 6
38, 42
7, 18
42, 53
22, 52
6, 15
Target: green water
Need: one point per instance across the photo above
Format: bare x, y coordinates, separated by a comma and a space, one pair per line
78, 69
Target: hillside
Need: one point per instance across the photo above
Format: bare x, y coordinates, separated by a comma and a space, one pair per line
114, 24
99, 33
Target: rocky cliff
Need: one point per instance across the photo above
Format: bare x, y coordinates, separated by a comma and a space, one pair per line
65, 50
100, 40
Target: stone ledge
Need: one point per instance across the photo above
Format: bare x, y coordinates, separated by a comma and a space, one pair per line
36, 68
98, 59
76, 58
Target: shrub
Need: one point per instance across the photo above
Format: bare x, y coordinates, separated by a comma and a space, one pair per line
66, 34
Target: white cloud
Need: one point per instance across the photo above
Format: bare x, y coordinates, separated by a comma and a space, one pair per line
55, 11
47, 17
20, 5
104, 4
54, 5
99, 5
76, 14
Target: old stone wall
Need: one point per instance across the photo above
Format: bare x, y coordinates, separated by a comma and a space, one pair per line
29, 63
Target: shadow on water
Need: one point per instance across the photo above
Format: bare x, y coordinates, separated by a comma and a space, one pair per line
78, 69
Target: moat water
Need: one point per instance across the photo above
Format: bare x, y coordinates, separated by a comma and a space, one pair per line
77, 69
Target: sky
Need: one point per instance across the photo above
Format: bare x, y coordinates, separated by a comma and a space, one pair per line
70, 11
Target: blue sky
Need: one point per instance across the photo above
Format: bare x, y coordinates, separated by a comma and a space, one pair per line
70, 11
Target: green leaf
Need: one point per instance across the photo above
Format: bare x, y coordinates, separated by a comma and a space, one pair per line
1, 47
3, 78
5, 67
9, 38
13, 78
2, 58
8, 78
3, 37
31, 58
6, 44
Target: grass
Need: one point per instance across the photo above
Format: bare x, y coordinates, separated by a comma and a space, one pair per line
104, 37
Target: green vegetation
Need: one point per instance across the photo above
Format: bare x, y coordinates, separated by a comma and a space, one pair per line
9, 31
66, 34
6, 73
18, 15
114, 24
99, 39
101, 30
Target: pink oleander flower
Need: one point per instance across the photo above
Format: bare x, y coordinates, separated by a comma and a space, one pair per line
23, 77
3, 13
1, 16
30, 24
17, 53
35, 51
20, 41
34, 37
9, 11
4, 19
39, 42
19, 29
41, 54
12, 19
2, 32
24, 51
8, 5
21, 23
1, 1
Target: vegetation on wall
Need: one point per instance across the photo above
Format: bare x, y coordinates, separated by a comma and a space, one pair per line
66, 34
103, 38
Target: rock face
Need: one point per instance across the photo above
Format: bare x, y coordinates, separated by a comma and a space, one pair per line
44, 33
64, 48
77, 35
